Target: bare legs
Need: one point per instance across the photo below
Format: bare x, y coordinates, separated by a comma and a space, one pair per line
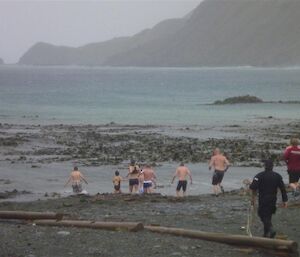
217, 189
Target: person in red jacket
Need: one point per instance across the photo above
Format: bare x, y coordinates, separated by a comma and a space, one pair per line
292, 159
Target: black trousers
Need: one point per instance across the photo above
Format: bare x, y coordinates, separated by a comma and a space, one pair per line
265, 212
267, 221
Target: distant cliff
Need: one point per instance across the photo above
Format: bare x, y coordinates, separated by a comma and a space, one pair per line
216, 33
1, 61
97, 53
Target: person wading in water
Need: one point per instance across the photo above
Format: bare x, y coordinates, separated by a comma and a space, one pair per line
220, 165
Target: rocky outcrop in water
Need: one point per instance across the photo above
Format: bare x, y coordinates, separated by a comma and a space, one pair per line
245, 99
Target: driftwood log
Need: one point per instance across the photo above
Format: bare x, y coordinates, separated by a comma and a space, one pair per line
126, 226
25, 215
239, 240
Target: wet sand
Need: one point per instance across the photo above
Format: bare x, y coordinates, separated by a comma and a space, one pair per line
39, 158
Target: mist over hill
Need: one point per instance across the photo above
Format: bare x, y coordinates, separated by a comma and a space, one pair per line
216, 33
1, 61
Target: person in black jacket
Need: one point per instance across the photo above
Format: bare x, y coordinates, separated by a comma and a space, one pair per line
266, 184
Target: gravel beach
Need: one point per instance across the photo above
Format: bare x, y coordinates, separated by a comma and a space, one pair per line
226, 213
33, 147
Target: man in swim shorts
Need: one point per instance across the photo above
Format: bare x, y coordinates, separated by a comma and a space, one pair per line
148, 178
182, 172
133, 175
76, 178
220, 165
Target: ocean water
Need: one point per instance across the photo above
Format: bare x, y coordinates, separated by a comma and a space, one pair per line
51, 178
168, 96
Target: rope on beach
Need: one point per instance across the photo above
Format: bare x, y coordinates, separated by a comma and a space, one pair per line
249, 220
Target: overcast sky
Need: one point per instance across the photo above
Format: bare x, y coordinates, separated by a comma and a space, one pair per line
75, 23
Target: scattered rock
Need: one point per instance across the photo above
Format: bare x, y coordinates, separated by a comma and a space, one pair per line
63, 233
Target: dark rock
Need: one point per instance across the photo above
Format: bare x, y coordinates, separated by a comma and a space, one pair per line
246, 99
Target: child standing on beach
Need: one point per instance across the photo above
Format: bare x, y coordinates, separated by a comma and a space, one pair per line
117, 182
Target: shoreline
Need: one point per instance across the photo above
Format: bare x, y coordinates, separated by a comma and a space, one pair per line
37, 159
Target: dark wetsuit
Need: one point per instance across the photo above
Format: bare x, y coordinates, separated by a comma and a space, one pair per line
267, 183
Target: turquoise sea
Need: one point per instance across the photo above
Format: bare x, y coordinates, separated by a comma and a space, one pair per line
167, 96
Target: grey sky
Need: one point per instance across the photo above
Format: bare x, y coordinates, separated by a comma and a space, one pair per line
74, 23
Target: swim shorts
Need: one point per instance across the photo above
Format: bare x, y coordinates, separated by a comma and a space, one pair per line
147, 184
133, 181
77, 188
217, 177
181, 184
117, 187
294, 176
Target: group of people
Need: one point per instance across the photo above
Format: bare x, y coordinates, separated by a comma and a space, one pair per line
265, 184
143, 180
140, 180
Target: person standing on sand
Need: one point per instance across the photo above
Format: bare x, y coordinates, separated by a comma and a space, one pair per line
220, 165
76, 178
117, 182
181, 173
267, 183
133, 175
292, 159
148, 178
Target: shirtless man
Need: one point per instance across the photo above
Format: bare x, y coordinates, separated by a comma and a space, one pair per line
148, 178
133, 175
76, 178
181, 173
220, 164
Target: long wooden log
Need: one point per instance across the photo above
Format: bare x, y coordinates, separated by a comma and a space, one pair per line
24, 215
127, 226
240, 240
